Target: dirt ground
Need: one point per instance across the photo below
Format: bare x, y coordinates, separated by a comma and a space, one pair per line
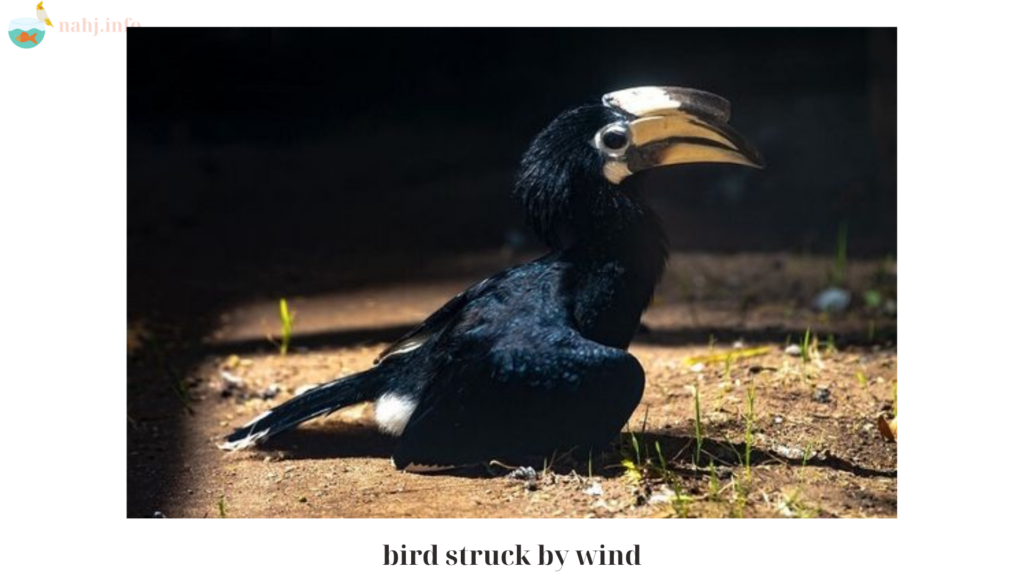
785, 429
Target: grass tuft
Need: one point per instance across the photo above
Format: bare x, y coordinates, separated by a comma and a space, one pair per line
748, 435
792, 505
698, 428
837, 274
714, 482
287, 320
633, 462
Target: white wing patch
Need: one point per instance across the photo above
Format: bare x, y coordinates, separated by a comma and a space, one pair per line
392, 412
249, 440
246, 442
403, 347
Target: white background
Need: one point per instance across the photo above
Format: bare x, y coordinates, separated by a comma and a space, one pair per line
63, 289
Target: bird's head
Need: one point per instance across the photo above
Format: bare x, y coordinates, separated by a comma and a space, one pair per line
575, 178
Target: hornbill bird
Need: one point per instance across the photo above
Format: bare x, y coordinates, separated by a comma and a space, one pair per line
534, 359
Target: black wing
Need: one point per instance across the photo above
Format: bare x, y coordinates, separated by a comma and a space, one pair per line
443, 317
434, 324
517, 401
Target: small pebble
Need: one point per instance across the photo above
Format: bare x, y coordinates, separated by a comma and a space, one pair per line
832, 300
787, 452
227, 384
594, 490
232, 378
890, 307
523, 473
793, 350
662, 496
270, 392
822, 395
158, 514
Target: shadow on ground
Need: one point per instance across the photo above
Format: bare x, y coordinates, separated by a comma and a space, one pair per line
359, 441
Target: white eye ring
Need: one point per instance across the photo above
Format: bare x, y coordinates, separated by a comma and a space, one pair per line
613, 140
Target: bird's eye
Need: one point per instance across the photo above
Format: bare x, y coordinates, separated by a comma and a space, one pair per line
613, 139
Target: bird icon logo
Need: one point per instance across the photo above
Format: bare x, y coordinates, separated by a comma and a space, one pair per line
41, 15
29, 32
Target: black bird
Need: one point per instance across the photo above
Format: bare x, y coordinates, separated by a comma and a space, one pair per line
534, 358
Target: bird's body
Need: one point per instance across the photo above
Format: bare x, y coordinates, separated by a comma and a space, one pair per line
534, 358
42, 16
538, 351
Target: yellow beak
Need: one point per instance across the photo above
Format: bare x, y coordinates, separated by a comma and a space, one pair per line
672, 125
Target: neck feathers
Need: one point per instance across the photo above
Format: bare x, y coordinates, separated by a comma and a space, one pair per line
614, 272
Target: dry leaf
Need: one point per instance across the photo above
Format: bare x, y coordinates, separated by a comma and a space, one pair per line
887, 428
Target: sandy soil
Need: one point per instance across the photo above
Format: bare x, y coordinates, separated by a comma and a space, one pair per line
781, 434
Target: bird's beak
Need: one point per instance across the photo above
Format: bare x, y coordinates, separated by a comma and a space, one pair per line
672, 125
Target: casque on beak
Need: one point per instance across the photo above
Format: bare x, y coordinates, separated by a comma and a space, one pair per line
671, 125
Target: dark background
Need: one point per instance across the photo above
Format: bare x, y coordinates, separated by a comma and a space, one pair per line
266, 155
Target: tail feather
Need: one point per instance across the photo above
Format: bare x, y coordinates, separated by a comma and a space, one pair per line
319, 401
